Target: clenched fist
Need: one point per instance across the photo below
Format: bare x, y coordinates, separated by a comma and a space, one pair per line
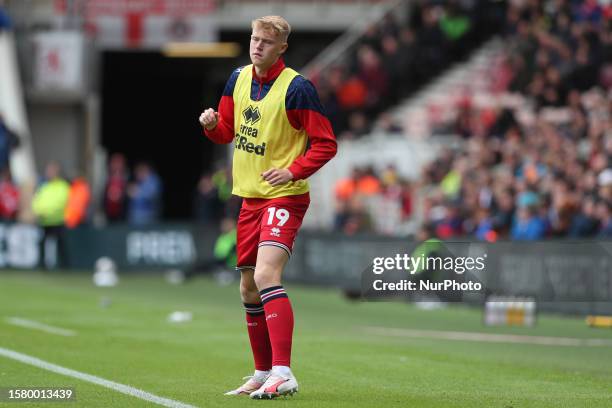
209, 119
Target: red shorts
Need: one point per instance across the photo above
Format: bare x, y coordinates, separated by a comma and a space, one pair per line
272, 222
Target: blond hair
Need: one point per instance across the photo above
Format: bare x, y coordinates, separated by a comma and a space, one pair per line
276, 23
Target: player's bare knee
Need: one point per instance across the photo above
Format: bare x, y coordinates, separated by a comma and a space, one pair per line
248, 289
262, 281
266, 274
249, 293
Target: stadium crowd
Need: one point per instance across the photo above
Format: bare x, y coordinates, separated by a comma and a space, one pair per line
136, 199
365, 189
59, 202
542, 166
392, 59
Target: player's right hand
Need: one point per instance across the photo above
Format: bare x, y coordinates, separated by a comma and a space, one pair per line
209, 119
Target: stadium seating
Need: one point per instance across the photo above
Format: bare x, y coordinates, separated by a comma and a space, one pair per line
535, 118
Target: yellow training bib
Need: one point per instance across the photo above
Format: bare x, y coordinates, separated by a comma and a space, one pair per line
264, 138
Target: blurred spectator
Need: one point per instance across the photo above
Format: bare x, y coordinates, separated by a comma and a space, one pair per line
387, 124
485, 227
8, 141
144, 196
77, 206
389, 26
356, 217
425, 233
451, 183
503, 213
352, 94
5, 21
371, 71
431, 42
368, 183
453, 23
451, 225
115, 191
345, 191
406, 199
604, 213
346, 187
584, 223
394, 64
357, 126
49, 204
222, 179
407, 64
369, 202
390, 180
528, 226
207, 204
230, 204
332, 108
224, 252
9, 197
225, 246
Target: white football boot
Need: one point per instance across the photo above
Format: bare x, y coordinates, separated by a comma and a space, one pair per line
253, 384
275, 386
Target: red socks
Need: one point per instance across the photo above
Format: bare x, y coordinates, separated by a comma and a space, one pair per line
258, 335
270, 327
279, 320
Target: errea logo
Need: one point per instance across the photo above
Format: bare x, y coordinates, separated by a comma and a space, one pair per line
251, 115
248, 130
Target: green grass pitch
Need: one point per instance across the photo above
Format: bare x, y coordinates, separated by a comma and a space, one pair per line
337, 362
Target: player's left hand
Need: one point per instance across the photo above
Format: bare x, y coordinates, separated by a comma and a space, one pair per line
277, 177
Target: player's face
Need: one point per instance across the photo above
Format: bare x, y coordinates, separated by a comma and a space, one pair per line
265, 47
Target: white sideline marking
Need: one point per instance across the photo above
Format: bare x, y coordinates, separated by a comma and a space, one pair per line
488, 337
125, 389
31, 324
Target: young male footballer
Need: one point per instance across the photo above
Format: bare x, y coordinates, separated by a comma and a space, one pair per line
281, 136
